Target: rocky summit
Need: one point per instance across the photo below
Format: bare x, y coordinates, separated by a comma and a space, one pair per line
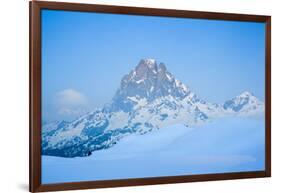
148, 80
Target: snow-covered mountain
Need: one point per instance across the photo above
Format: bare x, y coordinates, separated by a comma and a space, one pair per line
147, 81
149, 98
245, 104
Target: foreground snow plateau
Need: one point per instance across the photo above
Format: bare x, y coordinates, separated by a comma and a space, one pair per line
224, 145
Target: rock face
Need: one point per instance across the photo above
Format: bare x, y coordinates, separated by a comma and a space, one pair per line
149, 98
150, 81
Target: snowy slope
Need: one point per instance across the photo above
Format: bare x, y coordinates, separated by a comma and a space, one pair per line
174, 150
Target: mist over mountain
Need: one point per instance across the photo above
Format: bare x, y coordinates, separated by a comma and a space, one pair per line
149, 98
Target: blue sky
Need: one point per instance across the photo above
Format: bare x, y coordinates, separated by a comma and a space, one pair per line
85, 55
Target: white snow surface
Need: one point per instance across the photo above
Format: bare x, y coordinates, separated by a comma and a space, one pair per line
225, 145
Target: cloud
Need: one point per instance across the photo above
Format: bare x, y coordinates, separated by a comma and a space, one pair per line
70, 102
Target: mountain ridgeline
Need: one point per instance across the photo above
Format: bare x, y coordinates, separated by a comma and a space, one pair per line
149, 98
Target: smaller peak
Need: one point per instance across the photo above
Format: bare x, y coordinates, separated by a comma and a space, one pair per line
246, 94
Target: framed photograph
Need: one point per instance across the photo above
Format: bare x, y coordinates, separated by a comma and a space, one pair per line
123, 96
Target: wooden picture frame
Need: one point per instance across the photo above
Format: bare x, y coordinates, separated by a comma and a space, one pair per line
36, 96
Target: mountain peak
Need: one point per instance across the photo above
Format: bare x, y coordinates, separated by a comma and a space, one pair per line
150, 81
145, 68
149, 61
243, 102
246, 94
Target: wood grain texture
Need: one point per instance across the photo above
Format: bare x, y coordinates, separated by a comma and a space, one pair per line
268, 98
35, 97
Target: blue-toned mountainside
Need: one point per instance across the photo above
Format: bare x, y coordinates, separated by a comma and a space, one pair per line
149, 98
